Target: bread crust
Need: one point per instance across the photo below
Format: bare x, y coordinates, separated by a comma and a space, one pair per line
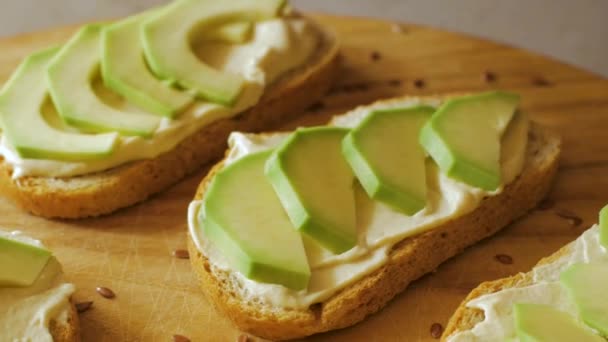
409, 259
104, 192
465, 318
69, 332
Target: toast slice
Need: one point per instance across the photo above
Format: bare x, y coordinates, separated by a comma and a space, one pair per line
409, 259
107, 191
466, 318
69, 331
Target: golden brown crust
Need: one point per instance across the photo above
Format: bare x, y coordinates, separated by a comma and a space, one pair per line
466, 318
104, 192
409, 260
69, 332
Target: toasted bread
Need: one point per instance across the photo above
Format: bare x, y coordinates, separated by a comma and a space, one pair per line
409, 259
69, 331
104, 192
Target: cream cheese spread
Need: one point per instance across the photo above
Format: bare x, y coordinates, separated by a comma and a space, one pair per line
379, 227
277, 46
546, 289
26, 312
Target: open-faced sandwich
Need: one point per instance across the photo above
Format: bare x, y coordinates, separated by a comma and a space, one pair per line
35, 300
124, 109
562, 299
294, 234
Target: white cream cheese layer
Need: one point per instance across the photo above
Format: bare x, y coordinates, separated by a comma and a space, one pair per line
379, 227
26, 312
498, 324
277, 46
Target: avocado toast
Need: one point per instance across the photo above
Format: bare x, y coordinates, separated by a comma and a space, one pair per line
278, 312
136, 160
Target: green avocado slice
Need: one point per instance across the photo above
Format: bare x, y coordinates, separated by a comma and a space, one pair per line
604, 227
243, 217
316, 186
28, 132
70, 77
21, 263
124, 70
167, 39
387, 158
543, 323
586, 284
463, 137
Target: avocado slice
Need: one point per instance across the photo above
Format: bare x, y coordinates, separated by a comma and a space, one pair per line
604, 227
21, 263
70, 76
21, 101
543, 323
236, 33
316, 186
586, 284
243, 217
463, 137
387, 158
124, 70
167, 39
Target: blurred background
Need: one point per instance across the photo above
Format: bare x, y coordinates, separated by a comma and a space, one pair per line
575, 32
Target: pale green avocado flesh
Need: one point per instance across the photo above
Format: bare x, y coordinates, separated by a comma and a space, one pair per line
587, 286
543, 323
27, 131
124, 70
21, 263
316, 186
604, 227
235, 33
167, 39
244, 219
464, 135
387, 158
70, 77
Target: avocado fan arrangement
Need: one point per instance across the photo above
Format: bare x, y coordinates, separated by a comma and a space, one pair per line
146, 59
257, 209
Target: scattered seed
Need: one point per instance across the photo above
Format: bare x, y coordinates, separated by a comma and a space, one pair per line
541, 82
317, 106
243, 338
395, 83
180, 338
489, 76
569, 216
436, 330
376, 56
83, 306
105, 292
504, 259
546, 204
419, 83
181, 254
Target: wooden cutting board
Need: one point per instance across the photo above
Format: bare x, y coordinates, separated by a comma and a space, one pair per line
130, 251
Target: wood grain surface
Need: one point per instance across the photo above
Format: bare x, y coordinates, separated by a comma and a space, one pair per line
130, 252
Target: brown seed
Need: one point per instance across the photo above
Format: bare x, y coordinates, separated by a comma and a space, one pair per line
504, 259
540, 82
419, 83
243, 338
489, 76
376, 56
436, 330
546, 204
105, 292
83, 306
569, 216
317, 106
181, 254
180, 338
